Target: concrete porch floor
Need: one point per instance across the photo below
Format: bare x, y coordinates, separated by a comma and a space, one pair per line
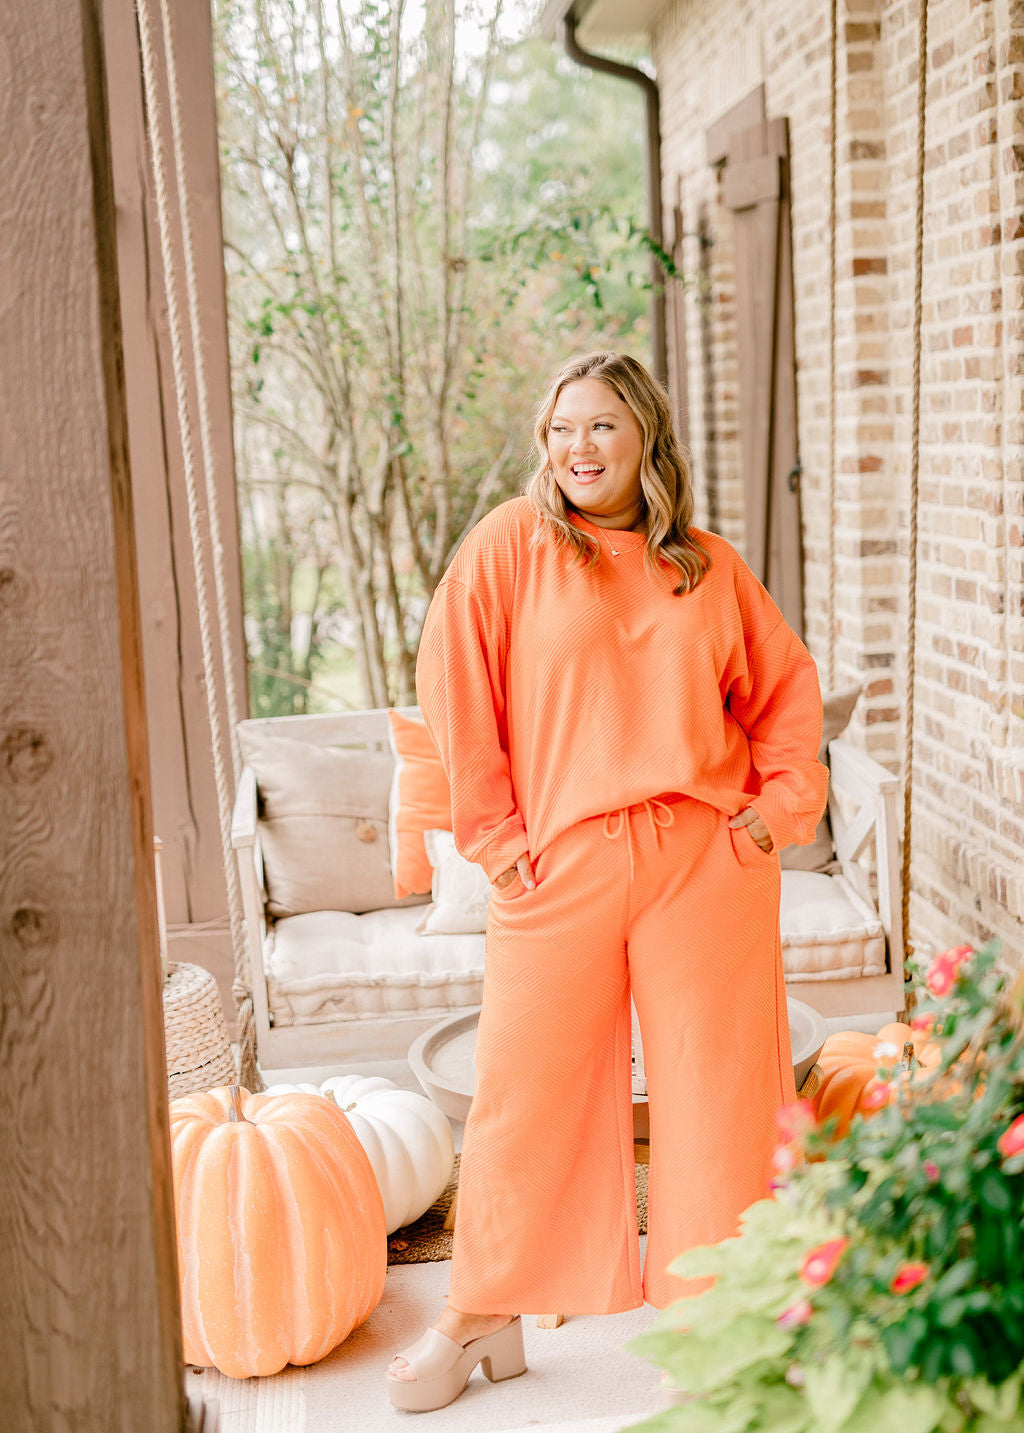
580, 1378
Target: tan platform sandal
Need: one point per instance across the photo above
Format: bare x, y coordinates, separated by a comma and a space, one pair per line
442, 1366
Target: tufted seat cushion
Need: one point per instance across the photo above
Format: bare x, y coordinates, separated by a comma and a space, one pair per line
829, 932
332, 965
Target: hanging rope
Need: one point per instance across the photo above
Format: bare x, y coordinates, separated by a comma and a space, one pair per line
234, 706
915, 455
246, 1029
832, 208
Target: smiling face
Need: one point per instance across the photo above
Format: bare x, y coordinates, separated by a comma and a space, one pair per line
595, 446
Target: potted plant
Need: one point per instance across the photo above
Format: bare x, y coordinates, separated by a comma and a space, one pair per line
882, 1287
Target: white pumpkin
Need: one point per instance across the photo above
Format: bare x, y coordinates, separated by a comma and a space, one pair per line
407, 1139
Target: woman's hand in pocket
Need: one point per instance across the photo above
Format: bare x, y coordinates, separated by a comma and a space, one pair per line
756, 829
523, 868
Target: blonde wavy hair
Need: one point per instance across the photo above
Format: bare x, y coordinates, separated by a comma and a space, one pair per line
664, 471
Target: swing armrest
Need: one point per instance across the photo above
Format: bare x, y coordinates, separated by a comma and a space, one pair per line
246, 811
871, 793
246, 842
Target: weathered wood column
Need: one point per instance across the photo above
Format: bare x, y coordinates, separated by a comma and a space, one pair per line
184, 795
88, 1310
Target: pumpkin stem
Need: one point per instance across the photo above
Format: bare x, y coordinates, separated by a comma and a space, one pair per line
235, 1115
909, 1060
330, 1095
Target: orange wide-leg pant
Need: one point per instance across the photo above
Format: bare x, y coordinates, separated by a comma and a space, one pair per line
665, 900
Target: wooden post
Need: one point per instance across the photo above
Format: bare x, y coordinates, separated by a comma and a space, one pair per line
184, 794
89, 1309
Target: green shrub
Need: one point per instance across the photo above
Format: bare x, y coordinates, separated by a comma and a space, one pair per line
882, 1287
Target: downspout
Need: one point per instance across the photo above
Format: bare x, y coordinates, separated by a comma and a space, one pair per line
659, 350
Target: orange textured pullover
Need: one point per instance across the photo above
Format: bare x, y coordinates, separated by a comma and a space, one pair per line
554, 693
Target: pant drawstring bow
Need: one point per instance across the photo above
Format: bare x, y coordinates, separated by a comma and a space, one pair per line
653, 815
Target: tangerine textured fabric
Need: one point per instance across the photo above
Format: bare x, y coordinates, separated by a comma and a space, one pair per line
562, 702
547, 1198
554, 693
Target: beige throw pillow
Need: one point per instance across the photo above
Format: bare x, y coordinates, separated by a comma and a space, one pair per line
837, 711
323, 825
461, 890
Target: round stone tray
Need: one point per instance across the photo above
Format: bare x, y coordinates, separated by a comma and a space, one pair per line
807, 1032
443, 1057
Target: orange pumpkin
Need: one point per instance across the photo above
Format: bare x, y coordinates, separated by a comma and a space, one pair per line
850, 1066
282, 1249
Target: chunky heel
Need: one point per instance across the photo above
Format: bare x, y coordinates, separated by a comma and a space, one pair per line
507, 1357
442, 1366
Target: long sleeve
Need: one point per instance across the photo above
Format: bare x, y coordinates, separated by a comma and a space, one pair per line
461, 693
776, 698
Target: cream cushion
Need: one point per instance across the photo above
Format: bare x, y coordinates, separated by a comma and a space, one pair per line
461, 890
332, 965
323, 824
829, 932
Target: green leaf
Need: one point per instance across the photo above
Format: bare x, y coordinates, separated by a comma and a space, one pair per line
958, 1277
902, 1339
963, 1356
783, 1410
994, 1192
1000, 1402
834, 1388
698, 1364
896, 1410
703, 1417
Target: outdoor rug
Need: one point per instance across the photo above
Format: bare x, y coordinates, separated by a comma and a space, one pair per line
427, 1242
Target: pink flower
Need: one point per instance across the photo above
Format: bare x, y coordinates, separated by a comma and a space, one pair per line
783, 1159
796, 1315
931, 1169
923, 1022
1011, 1141
820, 1264
907, 1277
795, 1120
940, 980
942, 972
877, 1096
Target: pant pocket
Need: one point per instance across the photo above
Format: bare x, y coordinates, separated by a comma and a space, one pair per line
511, 891
747, 851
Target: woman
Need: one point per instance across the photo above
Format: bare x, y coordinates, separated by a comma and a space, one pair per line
630, 731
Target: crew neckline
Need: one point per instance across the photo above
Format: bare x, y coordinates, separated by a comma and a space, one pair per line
617, 538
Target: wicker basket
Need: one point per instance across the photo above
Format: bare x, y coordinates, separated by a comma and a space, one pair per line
195, 1034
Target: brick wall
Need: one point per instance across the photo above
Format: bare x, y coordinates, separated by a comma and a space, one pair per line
968, 833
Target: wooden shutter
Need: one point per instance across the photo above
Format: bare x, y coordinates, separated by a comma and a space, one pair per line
755, 187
